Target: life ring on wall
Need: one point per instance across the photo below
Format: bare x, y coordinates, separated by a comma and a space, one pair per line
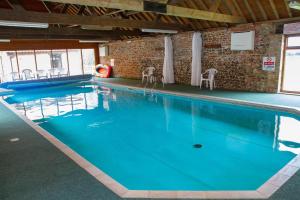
103, 71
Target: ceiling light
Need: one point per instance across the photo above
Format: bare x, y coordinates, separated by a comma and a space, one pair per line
4, 40
93, 41
23, 24
159, 31
97, 27
294, 5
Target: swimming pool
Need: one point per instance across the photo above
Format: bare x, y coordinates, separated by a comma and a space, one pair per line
164, 142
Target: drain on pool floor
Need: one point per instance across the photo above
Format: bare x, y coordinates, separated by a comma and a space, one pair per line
197, 146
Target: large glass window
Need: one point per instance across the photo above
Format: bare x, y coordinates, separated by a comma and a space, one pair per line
8, 65
59, 59
43, 60
26, 60
75, 62
293, 41
88, 59
291, 71
45, 63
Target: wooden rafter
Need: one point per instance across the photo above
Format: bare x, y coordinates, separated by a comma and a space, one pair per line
288, 9
238, 8
214, 7
232, 8
262, 10
61, 33
138, 5
250, 10
274, 9
65, 8
54, 18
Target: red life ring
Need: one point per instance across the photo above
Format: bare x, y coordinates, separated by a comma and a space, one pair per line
103, 71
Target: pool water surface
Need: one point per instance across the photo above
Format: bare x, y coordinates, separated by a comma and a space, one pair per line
164, 142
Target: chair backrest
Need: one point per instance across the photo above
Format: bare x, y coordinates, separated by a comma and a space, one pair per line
150, 70
27, 73
211, 73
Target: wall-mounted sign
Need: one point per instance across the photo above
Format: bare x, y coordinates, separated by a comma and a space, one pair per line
242, 41
269, 64
112, 62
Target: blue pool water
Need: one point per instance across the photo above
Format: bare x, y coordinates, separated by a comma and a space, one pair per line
147, 142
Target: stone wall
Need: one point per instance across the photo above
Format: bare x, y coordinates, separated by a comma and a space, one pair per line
238, 70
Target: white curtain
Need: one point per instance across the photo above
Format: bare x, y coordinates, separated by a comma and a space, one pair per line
168, 71
196, 60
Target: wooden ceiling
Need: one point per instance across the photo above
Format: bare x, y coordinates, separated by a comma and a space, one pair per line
130, 16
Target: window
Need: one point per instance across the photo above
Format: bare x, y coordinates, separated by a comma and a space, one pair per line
60, 61
291, 70
8, 65
43, 59
88, 59
66, 61
26, 60
75, 61
293, 41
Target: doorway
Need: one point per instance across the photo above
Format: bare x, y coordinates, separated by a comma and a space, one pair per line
291, 68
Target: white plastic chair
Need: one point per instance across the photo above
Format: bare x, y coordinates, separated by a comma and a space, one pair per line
15, 76
210, 78
28, 74
148, 73
41, 74
53, 73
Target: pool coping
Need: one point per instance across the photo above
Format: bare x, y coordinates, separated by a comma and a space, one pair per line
264, 191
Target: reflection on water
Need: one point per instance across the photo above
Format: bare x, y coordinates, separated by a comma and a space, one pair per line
62, 105
283, 128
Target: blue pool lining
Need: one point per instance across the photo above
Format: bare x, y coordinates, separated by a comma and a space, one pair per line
37, 83
265, 191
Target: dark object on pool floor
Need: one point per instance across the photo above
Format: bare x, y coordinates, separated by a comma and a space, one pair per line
197, 146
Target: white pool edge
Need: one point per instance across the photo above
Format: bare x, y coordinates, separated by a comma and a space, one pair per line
263, 192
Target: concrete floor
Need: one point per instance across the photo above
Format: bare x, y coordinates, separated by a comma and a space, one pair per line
34, 169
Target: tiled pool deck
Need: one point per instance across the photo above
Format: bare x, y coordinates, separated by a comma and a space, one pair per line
32, 168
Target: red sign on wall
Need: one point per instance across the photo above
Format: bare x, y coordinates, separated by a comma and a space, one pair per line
269, 64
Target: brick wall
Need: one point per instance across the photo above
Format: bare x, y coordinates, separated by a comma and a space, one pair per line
238, 70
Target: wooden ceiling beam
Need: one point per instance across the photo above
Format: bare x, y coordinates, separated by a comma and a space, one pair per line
274, 9
250, 10
214, 7
138, 5
231, 7
62, 33
55, 18
113, 12
288, 8
236, 5
262, 10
